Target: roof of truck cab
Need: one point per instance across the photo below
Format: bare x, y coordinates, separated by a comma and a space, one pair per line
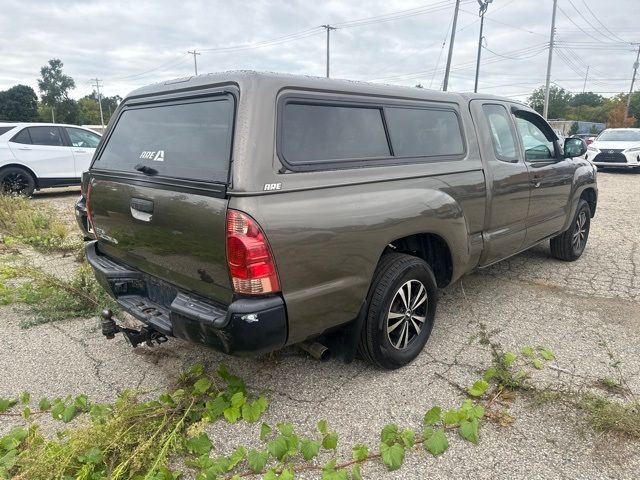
247, 79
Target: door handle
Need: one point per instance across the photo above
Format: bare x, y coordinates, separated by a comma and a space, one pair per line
24, 148
141, 209
535, 181
80, 151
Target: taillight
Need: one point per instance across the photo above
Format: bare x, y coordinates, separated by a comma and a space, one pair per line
92, 230
251, 263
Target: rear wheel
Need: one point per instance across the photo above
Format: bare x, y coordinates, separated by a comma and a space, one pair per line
400, 312
568, 246
16, 181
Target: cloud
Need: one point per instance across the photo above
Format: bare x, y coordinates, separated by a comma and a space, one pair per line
133, 43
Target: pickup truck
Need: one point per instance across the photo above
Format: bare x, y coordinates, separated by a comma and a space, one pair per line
248, 211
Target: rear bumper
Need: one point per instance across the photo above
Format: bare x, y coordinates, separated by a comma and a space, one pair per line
246, 326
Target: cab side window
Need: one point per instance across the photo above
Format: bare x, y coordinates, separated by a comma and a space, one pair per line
536, 144
502, 135
22, 137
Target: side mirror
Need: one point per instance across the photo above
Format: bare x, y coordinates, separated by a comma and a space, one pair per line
574, 147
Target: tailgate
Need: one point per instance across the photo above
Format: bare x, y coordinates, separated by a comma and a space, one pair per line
157, 192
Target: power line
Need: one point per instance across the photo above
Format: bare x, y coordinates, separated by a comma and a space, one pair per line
97, 80
545, 108
602, 24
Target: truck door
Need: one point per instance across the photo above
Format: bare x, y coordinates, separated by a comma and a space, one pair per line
507, 180
550, 174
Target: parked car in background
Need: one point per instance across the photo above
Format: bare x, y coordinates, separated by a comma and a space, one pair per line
616, 147
249, 211
41, 155
587, 137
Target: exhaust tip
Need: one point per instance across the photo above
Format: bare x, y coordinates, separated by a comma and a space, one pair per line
316, 350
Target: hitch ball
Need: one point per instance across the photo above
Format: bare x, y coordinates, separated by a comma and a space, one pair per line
109, 327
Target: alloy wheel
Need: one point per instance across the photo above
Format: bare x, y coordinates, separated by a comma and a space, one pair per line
579, 231
407, 314
14, 183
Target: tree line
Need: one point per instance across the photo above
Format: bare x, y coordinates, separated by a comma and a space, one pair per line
588, 107
21, 104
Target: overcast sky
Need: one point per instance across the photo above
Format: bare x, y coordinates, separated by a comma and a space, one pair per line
132, 43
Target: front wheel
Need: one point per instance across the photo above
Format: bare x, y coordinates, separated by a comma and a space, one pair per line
401, 309
569, 245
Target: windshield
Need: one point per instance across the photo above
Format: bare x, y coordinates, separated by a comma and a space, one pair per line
619, 136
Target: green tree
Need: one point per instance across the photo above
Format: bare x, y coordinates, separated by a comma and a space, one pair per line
574, 128
634, 107
559, 100
19, 104
89, 111
68, 111
109, 105
54, 88
588, 99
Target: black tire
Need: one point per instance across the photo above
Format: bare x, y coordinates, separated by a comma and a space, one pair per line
380, 342
569, 245
16, 181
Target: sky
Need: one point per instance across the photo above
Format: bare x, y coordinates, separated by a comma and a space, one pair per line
128, 44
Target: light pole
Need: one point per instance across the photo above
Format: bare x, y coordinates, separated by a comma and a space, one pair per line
483, 9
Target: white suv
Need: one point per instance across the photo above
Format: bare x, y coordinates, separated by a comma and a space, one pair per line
616, 147
40, 155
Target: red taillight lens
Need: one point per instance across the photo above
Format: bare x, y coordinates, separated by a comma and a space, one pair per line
92, 230
251, 263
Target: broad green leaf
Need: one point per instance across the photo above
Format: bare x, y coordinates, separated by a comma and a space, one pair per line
285, 429
330, 441
199, 445
508, 358
537, 363
265, 431
100, 413
407, 436
201, 386
257, 460
309, 448
44, 404
81, 402
450, 417
389, 433
270, 475
477, 412
236, 457
433, 416
469, 430
322, 427
286, 474
94, 456
25, 397
292, 444
479, 388
69, 413
392, 456
196, 370
528, 351
435, 441
232, 414
238, 399
355, 472
278, 447
26, 413
546, 353
216, 407
7, 403
489, 373
251, 411
360, 452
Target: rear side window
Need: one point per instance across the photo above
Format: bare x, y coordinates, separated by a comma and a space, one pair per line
502, 137
4, 130
49, 136
190, 140
424, 132
319, 133
22, 137
82, 138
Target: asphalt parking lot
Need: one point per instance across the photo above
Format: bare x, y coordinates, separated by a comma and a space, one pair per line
587, 312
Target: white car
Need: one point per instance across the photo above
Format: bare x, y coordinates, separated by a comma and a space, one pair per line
41, 155
616, 147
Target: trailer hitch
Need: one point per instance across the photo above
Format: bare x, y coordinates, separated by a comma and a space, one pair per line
134, 337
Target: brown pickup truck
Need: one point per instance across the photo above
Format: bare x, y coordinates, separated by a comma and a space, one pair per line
250, 211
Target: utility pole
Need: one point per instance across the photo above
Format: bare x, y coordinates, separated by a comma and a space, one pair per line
329, 28
633, 79
453, 38
585, 79
97, 80
483, 9
195, 62
551, 42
